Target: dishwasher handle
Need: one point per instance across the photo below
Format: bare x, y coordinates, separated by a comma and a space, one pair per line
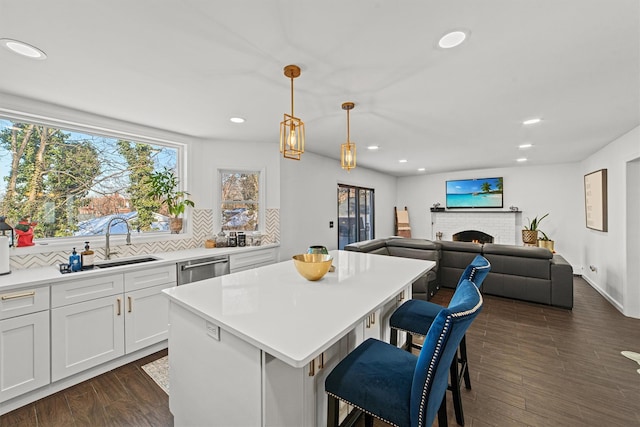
202, 264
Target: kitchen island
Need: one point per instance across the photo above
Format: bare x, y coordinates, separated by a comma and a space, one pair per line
253, 348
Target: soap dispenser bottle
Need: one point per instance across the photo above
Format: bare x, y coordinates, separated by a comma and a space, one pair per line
74, 261
87, 257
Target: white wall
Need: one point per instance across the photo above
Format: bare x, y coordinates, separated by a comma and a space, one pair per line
611, 252
208, 157
309, 200
535, 190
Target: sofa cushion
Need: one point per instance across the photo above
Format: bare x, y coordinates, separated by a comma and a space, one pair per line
518, 251
446, 245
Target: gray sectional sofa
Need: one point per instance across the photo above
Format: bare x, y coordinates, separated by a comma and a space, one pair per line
519, 272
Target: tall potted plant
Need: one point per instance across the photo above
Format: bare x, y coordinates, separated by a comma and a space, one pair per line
164, 187
530, 232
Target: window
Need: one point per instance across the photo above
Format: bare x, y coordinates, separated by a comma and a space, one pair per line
71, 183
355, 214
240, 200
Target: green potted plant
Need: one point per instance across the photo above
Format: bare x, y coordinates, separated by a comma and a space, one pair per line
545, 241
164, 187
530, 232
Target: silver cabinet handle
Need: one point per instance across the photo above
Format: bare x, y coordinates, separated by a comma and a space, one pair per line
202, 264
16, 296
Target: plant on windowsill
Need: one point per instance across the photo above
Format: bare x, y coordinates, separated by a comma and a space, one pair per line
164, 187
530, 232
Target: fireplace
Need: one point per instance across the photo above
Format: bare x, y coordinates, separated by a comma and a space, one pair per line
503, 226
472, 236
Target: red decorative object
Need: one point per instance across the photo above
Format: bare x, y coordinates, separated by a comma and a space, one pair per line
24, 230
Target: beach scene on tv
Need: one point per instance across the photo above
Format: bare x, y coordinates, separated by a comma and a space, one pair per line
475, 193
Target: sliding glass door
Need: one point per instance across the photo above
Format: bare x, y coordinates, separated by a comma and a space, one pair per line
355, 214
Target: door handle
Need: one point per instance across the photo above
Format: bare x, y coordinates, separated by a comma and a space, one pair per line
129, 301
16, 296
119, 308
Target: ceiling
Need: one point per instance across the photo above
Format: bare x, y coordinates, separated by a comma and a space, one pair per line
189, 65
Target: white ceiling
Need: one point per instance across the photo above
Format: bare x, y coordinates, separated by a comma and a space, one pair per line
189, 65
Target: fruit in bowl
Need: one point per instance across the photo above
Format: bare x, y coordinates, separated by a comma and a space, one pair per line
312, 266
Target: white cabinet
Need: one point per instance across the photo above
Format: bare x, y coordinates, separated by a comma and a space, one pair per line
102, 318
85, 335
146, 317
287, 389
251, 259
24, 342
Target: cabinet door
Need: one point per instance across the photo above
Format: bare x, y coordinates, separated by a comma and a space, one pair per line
146, 318
24, 354
252, 259
85, 335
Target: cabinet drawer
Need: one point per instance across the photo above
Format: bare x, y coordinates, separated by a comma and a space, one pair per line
153, 276
23, 301
86, 289
251, 259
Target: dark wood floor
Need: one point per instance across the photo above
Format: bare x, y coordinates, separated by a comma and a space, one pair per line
126, 396
531, 365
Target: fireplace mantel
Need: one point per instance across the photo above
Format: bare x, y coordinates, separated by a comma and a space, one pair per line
505, 229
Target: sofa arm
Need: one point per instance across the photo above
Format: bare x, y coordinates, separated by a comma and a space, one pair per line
561, 282
375, 246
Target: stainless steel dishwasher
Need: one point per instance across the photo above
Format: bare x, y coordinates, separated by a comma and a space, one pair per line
202, 268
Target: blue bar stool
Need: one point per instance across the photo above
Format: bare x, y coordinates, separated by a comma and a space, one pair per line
396, 386
415, 318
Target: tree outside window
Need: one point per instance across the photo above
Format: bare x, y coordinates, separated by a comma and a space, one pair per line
240, 196
71, 183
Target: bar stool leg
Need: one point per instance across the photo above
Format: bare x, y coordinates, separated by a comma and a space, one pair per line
454, 386
464, 364
442, 413
333, 412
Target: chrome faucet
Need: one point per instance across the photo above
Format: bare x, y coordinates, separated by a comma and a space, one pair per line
107, 249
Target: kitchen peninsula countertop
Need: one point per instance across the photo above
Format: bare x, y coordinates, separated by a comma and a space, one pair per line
38, 276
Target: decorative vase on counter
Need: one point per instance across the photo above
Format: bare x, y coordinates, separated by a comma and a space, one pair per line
317, 249
24, 230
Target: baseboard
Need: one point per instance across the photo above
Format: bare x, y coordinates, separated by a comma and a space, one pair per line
604, 294
32, 396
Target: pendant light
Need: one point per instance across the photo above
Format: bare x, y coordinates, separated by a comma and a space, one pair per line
291, 128
348, 149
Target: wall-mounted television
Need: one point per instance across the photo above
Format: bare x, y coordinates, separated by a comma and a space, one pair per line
474, 193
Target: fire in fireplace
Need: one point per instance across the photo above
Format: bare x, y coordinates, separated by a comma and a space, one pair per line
472, 236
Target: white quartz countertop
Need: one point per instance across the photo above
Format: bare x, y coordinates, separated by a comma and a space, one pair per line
51, 274
280, 312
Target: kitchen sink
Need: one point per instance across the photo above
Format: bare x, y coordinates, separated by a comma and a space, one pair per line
121, 262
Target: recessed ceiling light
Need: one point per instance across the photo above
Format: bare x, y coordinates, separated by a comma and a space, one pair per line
23, 49
452, 39
532, 121
525, 146
421, 169
237, 120
403, 160
521, 160
373, 147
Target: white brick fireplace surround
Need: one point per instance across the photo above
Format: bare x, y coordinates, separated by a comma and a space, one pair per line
504, 226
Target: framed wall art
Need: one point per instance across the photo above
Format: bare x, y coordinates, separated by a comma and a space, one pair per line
595, 199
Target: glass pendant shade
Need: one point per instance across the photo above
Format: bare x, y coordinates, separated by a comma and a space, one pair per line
291, 137
348, 149
292, 128
348, 156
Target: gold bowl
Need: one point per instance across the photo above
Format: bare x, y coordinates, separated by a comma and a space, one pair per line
312, 266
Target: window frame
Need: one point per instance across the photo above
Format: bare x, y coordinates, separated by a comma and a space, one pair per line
64, 243
261, 198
